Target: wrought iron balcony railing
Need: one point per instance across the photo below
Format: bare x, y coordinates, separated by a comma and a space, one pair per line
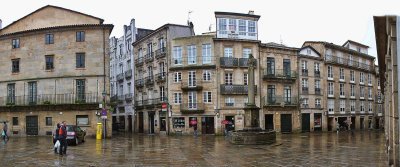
128, 74
120, 77
161, 52
193, 62
304, 72
188, 85
161, 77
280, 101
45, 99
318, 91
304, 90
229, 62
149, 80
121, 98
347, 62
129, 96
236, 89
317, 74
279, 74
139, 61
139, 83
149, 57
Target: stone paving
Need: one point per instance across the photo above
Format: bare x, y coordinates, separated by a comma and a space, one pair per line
364, 148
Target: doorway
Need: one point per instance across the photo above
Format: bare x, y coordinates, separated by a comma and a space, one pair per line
317, 122
32, 125
330, 123
269, 121
122, 122
151, 122
305, 122
207, 125
342, 124
231, 125
130, 123
140, 122
362, 123
376, 123
353, 123
286, 122
162, 124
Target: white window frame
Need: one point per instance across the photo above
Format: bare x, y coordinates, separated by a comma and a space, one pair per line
330, 89
246, 52
352, 107
228, 78
362, 92
207, 97
370, 107
206, 75
369, 80
228, 52
362, 108
361, 78
192, 57
342, 108
342, 77
206, 53
317, 102
230, 101
369, 93
177, 59
352, 76
331, 106
342, 91
177, 77
330, 73
245, 79
352, 92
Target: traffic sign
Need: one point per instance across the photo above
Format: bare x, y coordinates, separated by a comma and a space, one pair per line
104, 112
164, 107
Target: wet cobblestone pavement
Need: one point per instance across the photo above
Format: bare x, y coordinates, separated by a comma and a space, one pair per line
308, 149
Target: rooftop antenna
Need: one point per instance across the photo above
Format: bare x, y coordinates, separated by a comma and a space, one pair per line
209, 27
188, 20
280, 36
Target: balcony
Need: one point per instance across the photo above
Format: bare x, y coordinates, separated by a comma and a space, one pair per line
149, 80
305, 106
121, 98
120, 77
161, 52
317, 74
236, 89
238, 103
244, 62
128, 74
139, 104
139, 61
304, 72
304, 90
318, 91
149, 57
198, 62
348, 63
280, 75
318, 106
280, 101
129, 96
139, 83
229, 62
194, 85
114, 98
378, 99
46, 99
149, 102
190, 108
161, 77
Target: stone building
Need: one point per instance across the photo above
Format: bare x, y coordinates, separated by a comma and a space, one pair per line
349, 81
386, 35
54, 67
279, 91
152, 55
121, 76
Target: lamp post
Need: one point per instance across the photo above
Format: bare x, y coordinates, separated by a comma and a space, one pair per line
104, 93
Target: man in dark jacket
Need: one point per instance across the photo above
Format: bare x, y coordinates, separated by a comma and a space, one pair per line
63, 138
5, 128
56, 136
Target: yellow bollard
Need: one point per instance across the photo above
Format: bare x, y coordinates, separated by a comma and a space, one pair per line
99, 131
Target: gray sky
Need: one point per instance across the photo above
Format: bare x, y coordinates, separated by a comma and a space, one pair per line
291, 22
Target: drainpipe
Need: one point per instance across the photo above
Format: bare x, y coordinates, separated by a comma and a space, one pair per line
104, 78
398, 69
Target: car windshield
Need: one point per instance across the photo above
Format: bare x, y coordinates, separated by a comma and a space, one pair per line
70, 128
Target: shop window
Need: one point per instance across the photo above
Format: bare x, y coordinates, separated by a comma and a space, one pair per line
82, 120
179, 122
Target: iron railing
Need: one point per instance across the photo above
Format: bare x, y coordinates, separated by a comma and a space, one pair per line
228, 62
244, 62
350, 63
120, 77
149, 80
129, 96
279, 100
196, 61
304, 72
193, 85
139, 61
304, 90
149, 57
128, 74
279, 74
161, 52
317, 74
139, 82
161, 77
236, 89
121, 98
318, 91
41, 99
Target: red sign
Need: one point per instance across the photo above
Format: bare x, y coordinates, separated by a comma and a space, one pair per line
164, 106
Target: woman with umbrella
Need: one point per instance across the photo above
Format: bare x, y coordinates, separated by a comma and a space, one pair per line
194, 124
225, 122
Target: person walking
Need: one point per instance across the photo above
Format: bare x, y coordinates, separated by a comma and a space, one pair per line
63, 138
5, 127
57, 136
195, 130
337, 127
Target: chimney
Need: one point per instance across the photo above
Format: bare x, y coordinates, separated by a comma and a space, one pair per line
251, 12
0, 24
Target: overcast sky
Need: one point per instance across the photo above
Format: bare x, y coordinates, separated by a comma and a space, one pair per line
289, 22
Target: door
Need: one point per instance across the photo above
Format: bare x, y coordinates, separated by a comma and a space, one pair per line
330, 123
317, 122
231, 125
286, 122
269, 122
162, 124
376, 123
140, 122
151, 122
32, 92
305, 122
271, 66
32, 125
361, 123
192, 79
353, 123
192, 100
286, 67
130, 123
207, 125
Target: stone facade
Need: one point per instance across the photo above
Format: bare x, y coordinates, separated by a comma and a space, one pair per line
49, 75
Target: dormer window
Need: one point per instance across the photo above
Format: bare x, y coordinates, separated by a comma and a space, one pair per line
308, 51
222, 26
252, 28
358, 49
232, 25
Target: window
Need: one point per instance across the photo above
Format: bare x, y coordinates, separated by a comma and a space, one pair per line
331, 106
316, 67
82, 120
370, 107
80, 36
340, 59
246, 101
228, 79
305, 103
350, 60
352, 106
15, 65
192, 54
192, 78
304, 65
179, 122
206, 75
367, 64
15, 43
32, 92
232, 24
162, 92
49, 38
271, 94
206, 53
252, 28
192, 100
228, 52
178, 98
49, 62
246, 52
342, 106
149, 70
177, 55
361, 78
141, 53
362, 109
330, 89
207, 97
379, 83
80, 60
341, 74
177, 76
287, 94
330, 73
242, 27
161, 44
222, 26
317, 103
270, 66
352, 76
245, 79
317, 84
362, 92
11, 93
359, 62
229, 101
304, 83
369, 79
369, 93
49, 121
352, 91
15, 121
308, 51
80, 89
342, 90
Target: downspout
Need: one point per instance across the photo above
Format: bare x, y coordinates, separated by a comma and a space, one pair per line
260, 85
104, 79
398, 69
298, 85
166, 90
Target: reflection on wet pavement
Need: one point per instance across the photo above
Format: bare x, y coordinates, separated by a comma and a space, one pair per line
307, 149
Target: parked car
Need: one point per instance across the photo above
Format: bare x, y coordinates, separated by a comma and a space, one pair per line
75, 135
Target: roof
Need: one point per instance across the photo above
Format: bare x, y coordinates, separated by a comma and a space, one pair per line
276, 45
101, 20
237, 14
157, 30
357, 43
59, 27
332, 45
